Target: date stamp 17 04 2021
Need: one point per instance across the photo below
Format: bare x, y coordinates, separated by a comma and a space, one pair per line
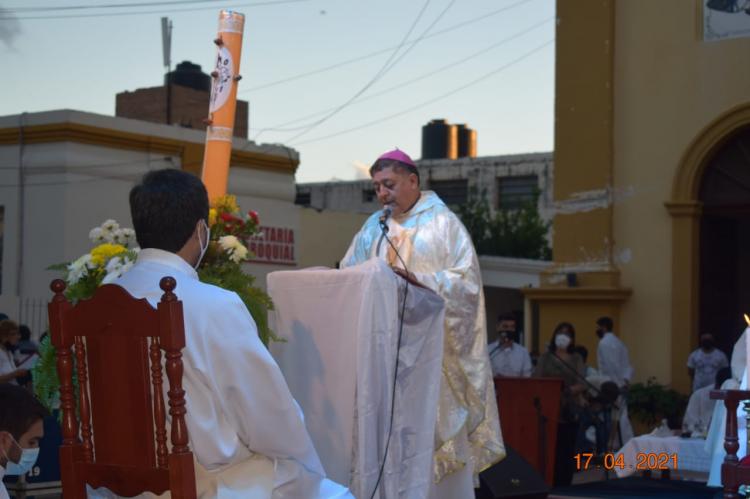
610, 461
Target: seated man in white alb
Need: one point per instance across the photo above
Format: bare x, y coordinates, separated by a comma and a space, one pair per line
700, 407
246, 431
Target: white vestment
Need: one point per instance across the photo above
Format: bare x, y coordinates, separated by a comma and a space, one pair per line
699, 411
246, 431
437, 249
715, 438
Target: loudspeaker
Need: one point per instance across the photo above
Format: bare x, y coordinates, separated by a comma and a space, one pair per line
511, 478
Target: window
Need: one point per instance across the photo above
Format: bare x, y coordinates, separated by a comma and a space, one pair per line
302, 198
368, 195
452, 192
514, 192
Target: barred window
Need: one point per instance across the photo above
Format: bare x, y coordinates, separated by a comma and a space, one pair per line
514, 192
368, 195
452, 192
302, 198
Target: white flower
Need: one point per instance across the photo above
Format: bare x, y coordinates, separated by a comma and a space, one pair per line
228, 243
96, 235
110, 226
79, 268
128, 234
239, 253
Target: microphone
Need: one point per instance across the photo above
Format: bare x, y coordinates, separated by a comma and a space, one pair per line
387, 210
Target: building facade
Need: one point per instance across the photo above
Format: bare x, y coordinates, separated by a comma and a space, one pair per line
652, 180
65, 172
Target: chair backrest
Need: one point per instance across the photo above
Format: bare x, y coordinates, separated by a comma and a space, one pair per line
114, 343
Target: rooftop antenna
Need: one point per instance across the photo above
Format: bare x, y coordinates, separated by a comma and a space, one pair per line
166, 46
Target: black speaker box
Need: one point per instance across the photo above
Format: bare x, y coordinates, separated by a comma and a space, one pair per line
511, 478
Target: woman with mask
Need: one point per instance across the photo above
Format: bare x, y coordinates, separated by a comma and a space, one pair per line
21, 429
561, 361
9, 338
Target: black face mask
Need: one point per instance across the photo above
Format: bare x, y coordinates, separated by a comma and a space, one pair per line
707, 344
600, 333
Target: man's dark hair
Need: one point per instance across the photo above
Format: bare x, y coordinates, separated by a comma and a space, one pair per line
19, 409
606, 323
398, 167
165, 207
3, 316
25, 332
507, 317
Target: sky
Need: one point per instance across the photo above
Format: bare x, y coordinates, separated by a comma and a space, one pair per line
341, 81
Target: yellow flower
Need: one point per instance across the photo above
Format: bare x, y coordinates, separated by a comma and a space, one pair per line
227, 204
102, 253
212, 217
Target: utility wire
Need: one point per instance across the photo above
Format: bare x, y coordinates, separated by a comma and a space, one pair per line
358, 99
434, 99
381, 51
162, 11
445, 67
382, 71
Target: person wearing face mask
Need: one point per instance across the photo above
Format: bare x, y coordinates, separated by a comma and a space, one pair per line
561, 361
705, 362
507, 357
437, 252
21, 429
245, 430
9, 338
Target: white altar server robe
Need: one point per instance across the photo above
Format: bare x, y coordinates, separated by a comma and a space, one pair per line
246, 431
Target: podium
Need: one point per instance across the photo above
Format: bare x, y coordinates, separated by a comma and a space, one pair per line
341, 329
529, 409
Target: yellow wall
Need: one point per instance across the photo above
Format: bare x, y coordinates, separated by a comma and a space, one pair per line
326, 236
669, 90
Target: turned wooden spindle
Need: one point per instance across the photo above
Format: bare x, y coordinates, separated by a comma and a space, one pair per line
84, 403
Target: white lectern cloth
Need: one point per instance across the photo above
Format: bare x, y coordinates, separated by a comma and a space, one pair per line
342, 332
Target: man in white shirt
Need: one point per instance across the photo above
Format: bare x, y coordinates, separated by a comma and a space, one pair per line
507, 357
612, 354
246, 431
21, 429
614, 363
705, 362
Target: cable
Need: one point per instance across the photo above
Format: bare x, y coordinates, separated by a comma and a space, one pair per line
384, 69
451, 65
162, 11
430, 101
381, 51
384, 229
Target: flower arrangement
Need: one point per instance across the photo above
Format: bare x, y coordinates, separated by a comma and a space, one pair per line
108, 260
115, 253
227, 250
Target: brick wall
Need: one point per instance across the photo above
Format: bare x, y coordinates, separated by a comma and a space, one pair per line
189, 107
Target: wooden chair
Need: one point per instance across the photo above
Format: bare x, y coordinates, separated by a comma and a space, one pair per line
121, 443
734, 472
